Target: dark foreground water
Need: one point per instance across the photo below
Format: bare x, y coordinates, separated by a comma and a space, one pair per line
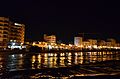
59, 65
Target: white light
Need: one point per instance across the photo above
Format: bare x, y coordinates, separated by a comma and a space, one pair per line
51, 54
70, 45
9, 47
45, 55
39, 56
95, 46
14, 40
62, 54
80, 46
12, 47
11, 40
56, 47
55, 54
89, 47
75, 53
33, 43
69, 54
23, 46
13, 44
49, 46
13, 56
17, 24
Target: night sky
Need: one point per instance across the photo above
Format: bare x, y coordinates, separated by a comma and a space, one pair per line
64, 18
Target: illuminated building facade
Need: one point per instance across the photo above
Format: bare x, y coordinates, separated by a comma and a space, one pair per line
92, 41
86, 44
112, 41
4, 31
50, 39
10, 32
17, 32
78, 41
101, 43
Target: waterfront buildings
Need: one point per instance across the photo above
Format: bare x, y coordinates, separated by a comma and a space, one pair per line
95, 43
92, 41
50, 39
11, 33
112, 42
79, 44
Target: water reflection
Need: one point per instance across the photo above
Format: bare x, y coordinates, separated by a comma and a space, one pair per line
53, 60
2, 64
16, 62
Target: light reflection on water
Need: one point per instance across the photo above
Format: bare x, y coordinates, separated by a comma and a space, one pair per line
51, 60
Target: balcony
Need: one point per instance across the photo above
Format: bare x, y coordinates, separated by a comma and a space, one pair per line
5, 29
5, 32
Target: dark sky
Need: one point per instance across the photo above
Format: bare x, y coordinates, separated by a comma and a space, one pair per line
64, 18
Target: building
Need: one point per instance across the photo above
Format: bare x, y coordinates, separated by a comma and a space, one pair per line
17, 32
50, 39
78, 41
92, 42
86, 44
10, 32
113, 41
109, 44
101, 43
4, 31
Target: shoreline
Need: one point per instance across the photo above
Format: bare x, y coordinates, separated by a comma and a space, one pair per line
54, 51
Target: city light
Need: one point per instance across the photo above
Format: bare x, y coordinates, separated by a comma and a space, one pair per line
18, 24
59, 39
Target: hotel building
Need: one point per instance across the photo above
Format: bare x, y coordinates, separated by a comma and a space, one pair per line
17, 32
10, 32
4, 31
